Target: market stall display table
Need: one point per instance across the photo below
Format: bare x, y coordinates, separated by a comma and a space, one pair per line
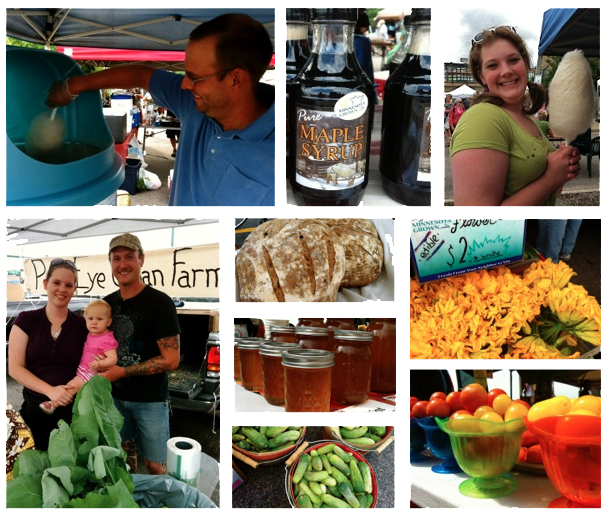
441, 490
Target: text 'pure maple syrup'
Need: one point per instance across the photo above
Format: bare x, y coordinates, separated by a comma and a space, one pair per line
405, 153
331, 106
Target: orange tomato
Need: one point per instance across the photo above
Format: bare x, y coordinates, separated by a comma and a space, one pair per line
419, 409
438, 408
438, 395
453, 399
473, 396
483, 409
493, 393
528, 439
534, 455
579, 426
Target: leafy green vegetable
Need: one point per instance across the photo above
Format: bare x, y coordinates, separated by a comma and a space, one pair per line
84, 466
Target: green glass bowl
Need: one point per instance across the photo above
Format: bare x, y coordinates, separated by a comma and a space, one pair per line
486, 451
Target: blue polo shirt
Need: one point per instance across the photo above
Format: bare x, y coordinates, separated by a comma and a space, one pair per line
214, 167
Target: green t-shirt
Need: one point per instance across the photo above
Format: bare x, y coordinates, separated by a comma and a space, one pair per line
489, 126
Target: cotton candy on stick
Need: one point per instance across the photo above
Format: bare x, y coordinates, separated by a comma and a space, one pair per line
572, 97
45, 135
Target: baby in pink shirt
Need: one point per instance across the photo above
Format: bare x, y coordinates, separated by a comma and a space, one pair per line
100, 342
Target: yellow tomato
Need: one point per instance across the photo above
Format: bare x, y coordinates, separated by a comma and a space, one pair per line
481, 410
516, 410
501, 403
588, 403
550, 407
583, 412
495, 425
464, 424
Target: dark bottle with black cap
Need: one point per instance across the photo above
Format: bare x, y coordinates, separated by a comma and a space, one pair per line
297, 51
331, 106
405, 148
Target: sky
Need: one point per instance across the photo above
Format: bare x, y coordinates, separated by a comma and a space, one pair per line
463, 24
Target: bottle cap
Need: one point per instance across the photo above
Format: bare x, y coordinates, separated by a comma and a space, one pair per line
343, 15
419, 15
298, 14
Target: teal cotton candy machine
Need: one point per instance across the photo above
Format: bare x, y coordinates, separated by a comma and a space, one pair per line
85, 170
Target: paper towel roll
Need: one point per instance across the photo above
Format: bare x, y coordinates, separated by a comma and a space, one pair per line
184, 459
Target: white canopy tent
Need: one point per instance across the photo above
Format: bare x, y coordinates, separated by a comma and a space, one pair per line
462, 91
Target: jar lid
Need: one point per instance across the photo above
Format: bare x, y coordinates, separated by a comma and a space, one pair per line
276, 348
312, 331
284, 329
249, 343
361, 336
344, 15
419, 15
308, 358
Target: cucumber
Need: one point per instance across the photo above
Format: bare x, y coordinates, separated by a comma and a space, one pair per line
375, 437
271, 432
316, 488
378, 430
333, 490
339, 477
326, 449
349, 495
338, 462
329, 481
304, 501
334, 502
258, 440
325, 505
317, 464
360, 441
237, 438
262, 431
355, 477
370, 500
244, 445
354, 433
235, 429
307, 491
283, 438
346, 457
326, 464
286, 446
362, 500
301, 468
316, 476
366, 475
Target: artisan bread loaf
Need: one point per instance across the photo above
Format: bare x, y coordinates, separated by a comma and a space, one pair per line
287, 260
362, 248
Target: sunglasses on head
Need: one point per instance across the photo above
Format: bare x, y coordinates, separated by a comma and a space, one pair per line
478, 38
59, 261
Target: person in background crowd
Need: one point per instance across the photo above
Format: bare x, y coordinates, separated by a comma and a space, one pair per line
556, 238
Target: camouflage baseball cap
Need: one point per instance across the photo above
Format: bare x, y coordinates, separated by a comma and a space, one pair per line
126, 240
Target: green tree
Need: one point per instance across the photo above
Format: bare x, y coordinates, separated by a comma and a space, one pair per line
553, 63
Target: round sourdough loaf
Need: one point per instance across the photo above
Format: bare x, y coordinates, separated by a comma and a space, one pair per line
287, 260
362, 248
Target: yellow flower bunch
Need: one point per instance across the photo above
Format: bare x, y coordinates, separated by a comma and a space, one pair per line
479, 314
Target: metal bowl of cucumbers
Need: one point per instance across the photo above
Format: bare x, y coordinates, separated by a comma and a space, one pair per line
266, 445
330, 475
361, 438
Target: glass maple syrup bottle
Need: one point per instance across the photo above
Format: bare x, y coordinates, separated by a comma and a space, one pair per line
405, 148
297, 51
331, 106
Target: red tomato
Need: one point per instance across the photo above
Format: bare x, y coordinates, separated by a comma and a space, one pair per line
473, 396
522, 402
580, 426
460, 413
413, 400
438, 408
453, 399
534, 455
523, 455
528, 439
438, 395
419, 409
492, 394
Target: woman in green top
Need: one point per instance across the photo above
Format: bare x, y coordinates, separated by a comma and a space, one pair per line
499, 155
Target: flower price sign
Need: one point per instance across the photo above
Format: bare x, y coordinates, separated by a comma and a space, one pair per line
444, 248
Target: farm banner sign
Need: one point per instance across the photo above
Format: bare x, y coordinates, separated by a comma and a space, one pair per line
179, 272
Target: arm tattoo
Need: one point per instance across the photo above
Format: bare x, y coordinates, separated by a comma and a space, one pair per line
157, 364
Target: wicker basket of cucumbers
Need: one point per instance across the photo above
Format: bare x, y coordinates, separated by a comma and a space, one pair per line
266, 445
330, 475
362, 438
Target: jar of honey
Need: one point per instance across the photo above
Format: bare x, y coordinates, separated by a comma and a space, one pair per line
314, 322
353, 366
309, 337
283, 333
272, 370
384, 354
308, 376
251, 363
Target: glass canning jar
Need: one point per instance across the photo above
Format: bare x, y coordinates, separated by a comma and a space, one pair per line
237, 361
384, 354
283, 333
272, 370
251, 363
344, 324
353, 366
308, 375
309, 337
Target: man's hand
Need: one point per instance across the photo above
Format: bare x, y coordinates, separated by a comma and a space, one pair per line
114, 373
59, 95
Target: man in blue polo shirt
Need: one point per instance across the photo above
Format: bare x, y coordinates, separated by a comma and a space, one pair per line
226, 151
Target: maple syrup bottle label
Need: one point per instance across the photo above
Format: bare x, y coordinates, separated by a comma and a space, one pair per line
332, 145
